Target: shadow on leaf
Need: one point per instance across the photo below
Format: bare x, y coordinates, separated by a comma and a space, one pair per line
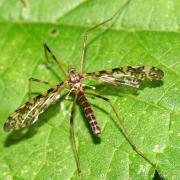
114, 90
20, 135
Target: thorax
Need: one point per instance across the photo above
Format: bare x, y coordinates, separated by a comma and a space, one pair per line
75, 80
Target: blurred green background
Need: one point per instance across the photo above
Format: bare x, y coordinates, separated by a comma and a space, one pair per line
145, 33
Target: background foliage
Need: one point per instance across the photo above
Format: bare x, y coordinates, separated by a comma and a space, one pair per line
146, 32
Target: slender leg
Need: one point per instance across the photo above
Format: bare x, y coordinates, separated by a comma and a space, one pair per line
59, 64
73, 135
124, 130
86, 33
31, 79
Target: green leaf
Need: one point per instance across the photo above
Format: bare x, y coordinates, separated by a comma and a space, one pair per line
145, 33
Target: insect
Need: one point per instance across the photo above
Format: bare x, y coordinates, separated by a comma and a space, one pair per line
28, 113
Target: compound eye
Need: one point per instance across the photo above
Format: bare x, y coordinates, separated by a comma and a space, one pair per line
72, 71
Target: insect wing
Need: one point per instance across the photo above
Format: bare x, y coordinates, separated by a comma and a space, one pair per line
130, 75
28, 113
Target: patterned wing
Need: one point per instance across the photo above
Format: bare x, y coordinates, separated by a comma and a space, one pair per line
130, 75
28, 113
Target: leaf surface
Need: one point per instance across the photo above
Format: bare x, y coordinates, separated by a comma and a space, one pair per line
143, 34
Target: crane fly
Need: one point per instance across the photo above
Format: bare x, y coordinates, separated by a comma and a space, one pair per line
28, 113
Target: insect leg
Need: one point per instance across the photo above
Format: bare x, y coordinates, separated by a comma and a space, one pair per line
31, 79
125, 131
59, 64
86, 34
73, 135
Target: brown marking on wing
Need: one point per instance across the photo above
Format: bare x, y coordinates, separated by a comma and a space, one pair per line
28, 113
128, 75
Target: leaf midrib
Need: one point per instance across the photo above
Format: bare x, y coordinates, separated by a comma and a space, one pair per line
104, 27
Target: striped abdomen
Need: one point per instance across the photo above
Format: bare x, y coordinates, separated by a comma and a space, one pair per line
89, 113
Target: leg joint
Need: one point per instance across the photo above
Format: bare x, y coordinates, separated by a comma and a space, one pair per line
104, 98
